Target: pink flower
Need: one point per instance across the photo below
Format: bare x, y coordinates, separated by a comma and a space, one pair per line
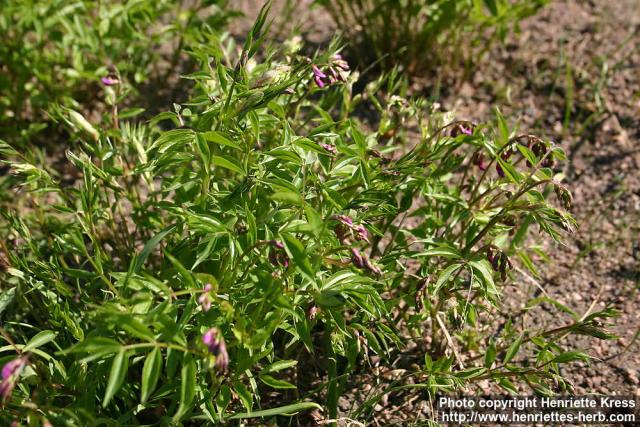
205, 298
344, 219
317, 72
330, 148
276, 244
362, 261
356, 258
10, 373
110, 80
361, 233
215, 344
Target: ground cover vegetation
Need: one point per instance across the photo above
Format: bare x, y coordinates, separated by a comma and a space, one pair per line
237, 253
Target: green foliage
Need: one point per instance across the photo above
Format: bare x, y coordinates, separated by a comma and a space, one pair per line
56, 51
244, 254
426, 36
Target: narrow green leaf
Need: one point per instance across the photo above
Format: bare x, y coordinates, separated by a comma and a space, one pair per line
490, 355
187, 387
149, 246
282, 410
280, 365
245, 396
220, 138
513, 350
297, 253
227, 163
118, 371
41, 338
571, 356
444, 276
275, 383
150, 373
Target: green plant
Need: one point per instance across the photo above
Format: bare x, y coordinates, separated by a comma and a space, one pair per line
258, 240
56, 52
426, 35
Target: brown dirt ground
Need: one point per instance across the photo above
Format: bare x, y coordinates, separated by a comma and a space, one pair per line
600, 263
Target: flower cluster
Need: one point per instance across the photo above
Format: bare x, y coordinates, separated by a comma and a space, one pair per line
347, 228
277, 255
499, 261
330, 148
205, 298
10, 373
336, 71
537, 146
215, 344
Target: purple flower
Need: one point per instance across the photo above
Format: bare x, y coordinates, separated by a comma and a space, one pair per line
462, 127
361, 233
357, 258
205, 298
317, 72
330, 148
10, 373
276, 244
362, 261
338, 61
277, 255
110, 80
337, 70
344, 219
478, 160
215, 344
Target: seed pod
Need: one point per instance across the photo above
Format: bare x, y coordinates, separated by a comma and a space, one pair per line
510, 220
80, 122
421, 287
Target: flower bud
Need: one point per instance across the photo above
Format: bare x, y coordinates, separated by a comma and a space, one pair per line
10, 374
462, 128
563, 195
421, 287
205, 299
215, 344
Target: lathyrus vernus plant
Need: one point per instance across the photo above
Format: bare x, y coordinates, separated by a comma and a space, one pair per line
247, 261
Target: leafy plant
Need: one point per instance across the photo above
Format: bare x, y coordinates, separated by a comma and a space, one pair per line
426, 36
243, 255
57, 52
